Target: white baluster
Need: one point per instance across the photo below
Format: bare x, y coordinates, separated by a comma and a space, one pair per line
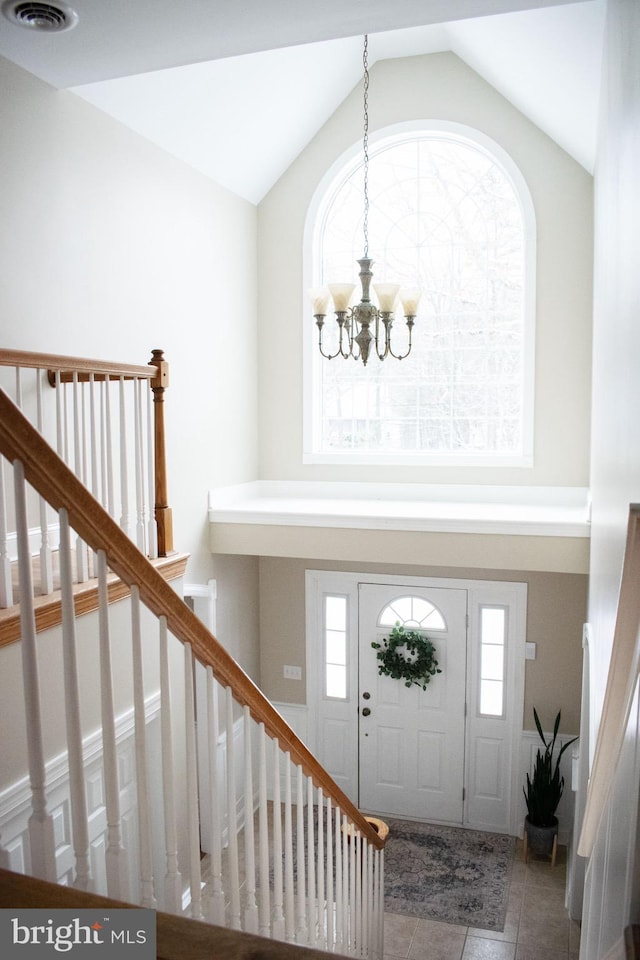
59, 416
322, 928
251, 906
6, 585
345, 885
41, 835
65, 420
46, 562
312, 929
340, 938
90, 455
367, 899
82, 566
152, 536
87, 476
351, 834
361, 877
216, 892
380, 890
173, 877
108, 483
289, 897
77, 793
102, 422
93, 440
301, 896
232, 818
264, 904
18, 387
147, 891
139, 466
115, 855
193, 818
378, 916
124, 466
5, 859
278, 929
329, 893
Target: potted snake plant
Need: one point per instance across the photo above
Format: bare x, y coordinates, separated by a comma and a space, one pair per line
543, 791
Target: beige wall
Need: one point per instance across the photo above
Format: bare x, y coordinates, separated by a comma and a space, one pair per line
439, 86
555, 616
109, 248
237, 612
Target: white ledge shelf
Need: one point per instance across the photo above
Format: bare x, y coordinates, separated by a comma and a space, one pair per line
431, 508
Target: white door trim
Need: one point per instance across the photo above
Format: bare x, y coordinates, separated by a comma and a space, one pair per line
319, 582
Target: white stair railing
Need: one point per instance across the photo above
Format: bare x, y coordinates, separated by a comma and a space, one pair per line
286, 854
103, 420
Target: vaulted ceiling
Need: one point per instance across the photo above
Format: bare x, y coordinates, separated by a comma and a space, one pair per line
237, 89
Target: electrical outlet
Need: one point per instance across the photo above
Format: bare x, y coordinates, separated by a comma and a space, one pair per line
292, 673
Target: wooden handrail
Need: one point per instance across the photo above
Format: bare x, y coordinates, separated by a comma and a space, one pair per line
622, 679
177, 938
59, 486
67, 366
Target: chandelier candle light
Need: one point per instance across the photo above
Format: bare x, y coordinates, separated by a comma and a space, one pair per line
355, 322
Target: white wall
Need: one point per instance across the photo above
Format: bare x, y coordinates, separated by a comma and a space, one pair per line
611, 895
431, 87
109, 248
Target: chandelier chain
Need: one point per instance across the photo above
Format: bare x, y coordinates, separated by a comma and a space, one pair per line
361, 325
365, 144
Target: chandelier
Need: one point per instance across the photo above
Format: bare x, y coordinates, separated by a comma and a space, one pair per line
363, 326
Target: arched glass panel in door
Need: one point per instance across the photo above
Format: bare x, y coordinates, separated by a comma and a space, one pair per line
414, 612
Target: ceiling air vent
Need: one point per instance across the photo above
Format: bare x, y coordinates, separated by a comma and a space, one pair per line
47, 17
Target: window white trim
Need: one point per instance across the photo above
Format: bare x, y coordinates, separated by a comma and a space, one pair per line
341, 168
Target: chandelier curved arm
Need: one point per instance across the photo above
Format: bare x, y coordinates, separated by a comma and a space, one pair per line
400, 356
386, 317
345, 325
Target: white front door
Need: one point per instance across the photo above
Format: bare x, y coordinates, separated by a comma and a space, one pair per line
415, 752
411, 741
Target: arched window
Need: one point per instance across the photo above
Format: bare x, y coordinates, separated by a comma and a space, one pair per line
448, 212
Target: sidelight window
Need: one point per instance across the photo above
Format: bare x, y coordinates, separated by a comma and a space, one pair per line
493, 625
335, 647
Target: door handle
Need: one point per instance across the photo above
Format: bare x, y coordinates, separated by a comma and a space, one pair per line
366, 711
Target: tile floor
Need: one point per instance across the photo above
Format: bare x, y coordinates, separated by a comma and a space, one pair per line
537, 924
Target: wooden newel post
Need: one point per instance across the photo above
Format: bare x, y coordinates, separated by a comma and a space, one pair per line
164, 520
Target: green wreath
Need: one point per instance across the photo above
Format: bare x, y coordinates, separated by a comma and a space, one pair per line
407, 655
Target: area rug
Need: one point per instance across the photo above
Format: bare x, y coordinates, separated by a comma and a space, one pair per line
448, 873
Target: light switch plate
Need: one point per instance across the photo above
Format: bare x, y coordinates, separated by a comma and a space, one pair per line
292, 673
530, 651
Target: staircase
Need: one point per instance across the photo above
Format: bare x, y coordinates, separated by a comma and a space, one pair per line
158, 772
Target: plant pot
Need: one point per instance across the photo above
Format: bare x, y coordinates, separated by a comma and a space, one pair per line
541, 840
